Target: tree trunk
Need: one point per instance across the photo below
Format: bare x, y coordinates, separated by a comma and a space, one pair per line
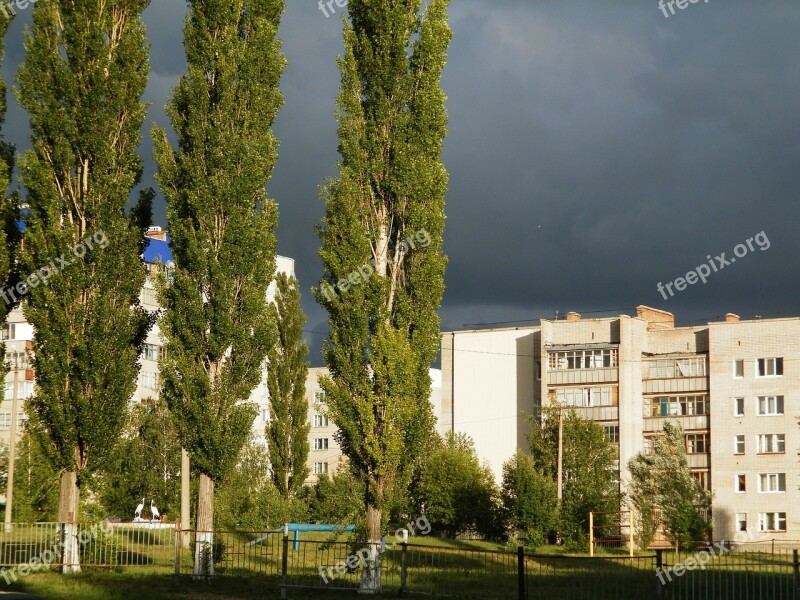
371, 572
68, 513
204, 536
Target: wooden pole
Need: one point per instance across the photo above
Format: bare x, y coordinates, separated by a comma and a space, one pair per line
630, 533
560, 453
591, 534
12, 447
186, 517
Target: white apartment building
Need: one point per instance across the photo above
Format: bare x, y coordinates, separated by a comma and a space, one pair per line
732, 385
18, 336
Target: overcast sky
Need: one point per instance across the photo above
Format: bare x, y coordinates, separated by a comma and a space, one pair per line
596, 149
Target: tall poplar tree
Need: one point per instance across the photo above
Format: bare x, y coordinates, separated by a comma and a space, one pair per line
8, 221
84, 74
381, 244
287, 431
222, 224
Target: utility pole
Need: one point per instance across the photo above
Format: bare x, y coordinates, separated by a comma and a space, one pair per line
185, 493
12, 447
560, 452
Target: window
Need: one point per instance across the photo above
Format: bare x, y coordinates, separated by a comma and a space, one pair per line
319, 397
612, 433
772, 521
149, 296
696, 443
741, 521
668, 368
320, 468
320, 421
770, 405
738, 407
741, 483
738, 369
701, 477
772, 443
675, 406
320, 443
738, 444
151, 381
5, 421
584, 397
583, 359
771, 483
8, 331
770, 367
264, 415
537, 370
150, 352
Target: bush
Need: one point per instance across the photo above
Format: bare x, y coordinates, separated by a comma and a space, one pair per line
529, 498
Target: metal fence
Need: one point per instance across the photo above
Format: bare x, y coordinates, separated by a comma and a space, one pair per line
99, 544
756, 570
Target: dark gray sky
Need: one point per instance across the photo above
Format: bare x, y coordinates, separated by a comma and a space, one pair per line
596, 148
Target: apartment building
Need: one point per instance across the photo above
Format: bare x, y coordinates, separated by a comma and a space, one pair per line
18, 337
729, 384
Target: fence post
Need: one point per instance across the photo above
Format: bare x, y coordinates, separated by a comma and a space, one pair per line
178, 540
591, 534
796, 567
285, 561
659, 571
403, 567
521, 571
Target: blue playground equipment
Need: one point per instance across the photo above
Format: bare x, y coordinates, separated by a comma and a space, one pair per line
298, 527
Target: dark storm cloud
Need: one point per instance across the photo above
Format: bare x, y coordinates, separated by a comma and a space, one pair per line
595, 149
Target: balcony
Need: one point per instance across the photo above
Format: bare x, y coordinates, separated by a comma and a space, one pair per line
688, 423
582, 376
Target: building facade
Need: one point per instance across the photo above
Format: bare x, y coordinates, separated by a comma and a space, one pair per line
729, 384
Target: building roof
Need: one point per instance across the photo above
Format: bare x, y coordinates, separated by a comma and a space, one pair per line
157, 251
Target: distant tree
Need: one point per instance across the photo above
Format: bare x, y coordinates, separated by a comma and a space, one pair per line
247, 499
454, 490
590, 476
85, 71
382, 246
36, 483
661, 480
288, 427
336, 500
529, 500
145, 463
222, 224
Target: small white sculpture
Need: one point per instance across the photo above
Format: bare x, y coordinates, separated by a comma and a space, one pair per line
137, 514
154, 511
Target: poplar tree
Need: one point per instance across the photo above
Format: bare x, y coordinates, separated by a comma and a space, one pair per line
381, 245
287, 431
84, 74
217, 324
9, 231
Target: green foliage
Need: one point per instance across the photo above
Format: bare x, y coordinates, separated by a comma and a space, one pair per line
529, 500
385, 218
9, 232
336, 500
662, 480
85, 70
287, 431
216, 323
454, 491
145, 464
246, 498
590, 476
35, 483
